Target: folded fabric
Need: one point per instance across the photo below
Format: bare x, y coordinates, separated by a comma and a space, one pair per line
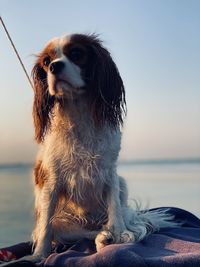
169, 247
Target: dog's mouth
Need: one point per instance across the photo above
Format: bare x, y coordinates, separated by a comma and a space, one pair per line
63, 88
63, 83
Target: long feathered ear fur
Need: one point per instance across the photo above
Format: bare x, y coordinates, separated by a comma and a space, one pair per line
43, 103
107, 89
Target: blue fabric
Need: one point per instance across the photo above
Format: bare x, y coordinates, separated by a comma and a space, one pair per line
179, 247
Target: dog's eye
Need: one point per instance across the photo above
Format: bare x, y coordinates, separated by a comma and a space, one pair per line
46, 61
75, 54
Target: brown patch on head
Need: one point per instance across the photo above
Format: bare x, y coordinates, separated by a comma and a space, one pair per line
40, 174
43, 101
49, 52
77, 53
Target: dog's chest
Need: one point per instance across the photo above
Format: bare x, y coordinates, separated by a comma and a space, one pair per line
82, 161
84, 153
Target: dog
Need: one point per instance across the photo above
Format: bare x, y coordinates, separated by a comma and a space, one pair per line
78, 112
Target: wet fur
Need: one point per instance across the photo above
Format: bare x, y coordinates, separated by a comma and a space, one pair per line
78, 193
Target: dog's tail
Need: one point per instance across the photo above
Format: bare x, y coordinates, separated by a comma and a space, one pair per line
143, 223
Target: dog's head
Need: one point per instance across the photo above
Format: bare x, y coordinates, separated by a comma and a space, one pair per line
70, 67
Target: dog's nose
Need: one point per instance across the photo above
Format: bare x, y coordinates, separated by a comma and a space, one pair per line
56, 67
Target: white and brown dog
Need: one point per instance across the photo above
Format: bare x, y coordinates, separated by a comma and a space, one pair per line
79, 103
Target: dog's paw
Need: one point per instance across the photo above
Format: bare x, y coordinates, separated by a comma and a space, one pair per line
127, 237
103, 239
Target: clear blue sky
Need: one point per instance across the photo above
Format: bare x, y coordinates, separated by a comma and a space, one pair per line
156, 45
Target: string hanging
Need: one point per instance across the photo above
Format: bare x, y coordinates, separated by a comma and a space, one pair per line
16, 52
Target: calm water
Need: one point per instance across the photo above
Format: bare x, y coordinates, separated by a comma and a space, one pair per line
153, 184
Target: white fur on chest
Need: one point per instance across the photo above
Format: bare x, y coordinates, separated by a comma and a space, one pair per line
77, 151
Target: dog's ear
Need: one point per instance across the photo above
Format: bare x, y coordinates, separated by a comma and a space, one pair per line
43, 103
107, 89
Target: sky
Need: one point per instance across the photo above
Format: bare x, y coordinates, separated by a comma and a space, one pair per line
155, 45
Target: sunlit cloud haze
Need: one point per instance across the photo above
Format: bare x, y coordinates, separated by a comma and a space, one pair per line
156, 47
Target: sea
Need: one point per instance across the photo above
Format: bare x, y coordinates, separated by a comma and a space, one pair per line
151, 183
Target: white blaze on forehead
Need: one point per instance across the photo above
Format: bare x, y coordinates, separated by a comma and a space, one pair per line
60, 43
63, 40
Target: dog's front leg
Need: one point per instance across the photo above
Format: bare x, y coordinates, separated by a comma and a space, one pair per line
45, 208
115, 229
43, 232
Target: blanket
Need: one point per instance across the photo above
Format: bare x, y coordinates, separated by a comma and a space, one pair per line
175, 247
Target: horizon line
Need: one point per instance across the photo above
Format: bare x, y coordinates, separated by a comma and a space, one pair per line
190, 160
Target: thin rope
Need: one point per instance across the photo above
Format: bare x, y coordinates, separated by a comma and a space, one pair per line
16, 52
